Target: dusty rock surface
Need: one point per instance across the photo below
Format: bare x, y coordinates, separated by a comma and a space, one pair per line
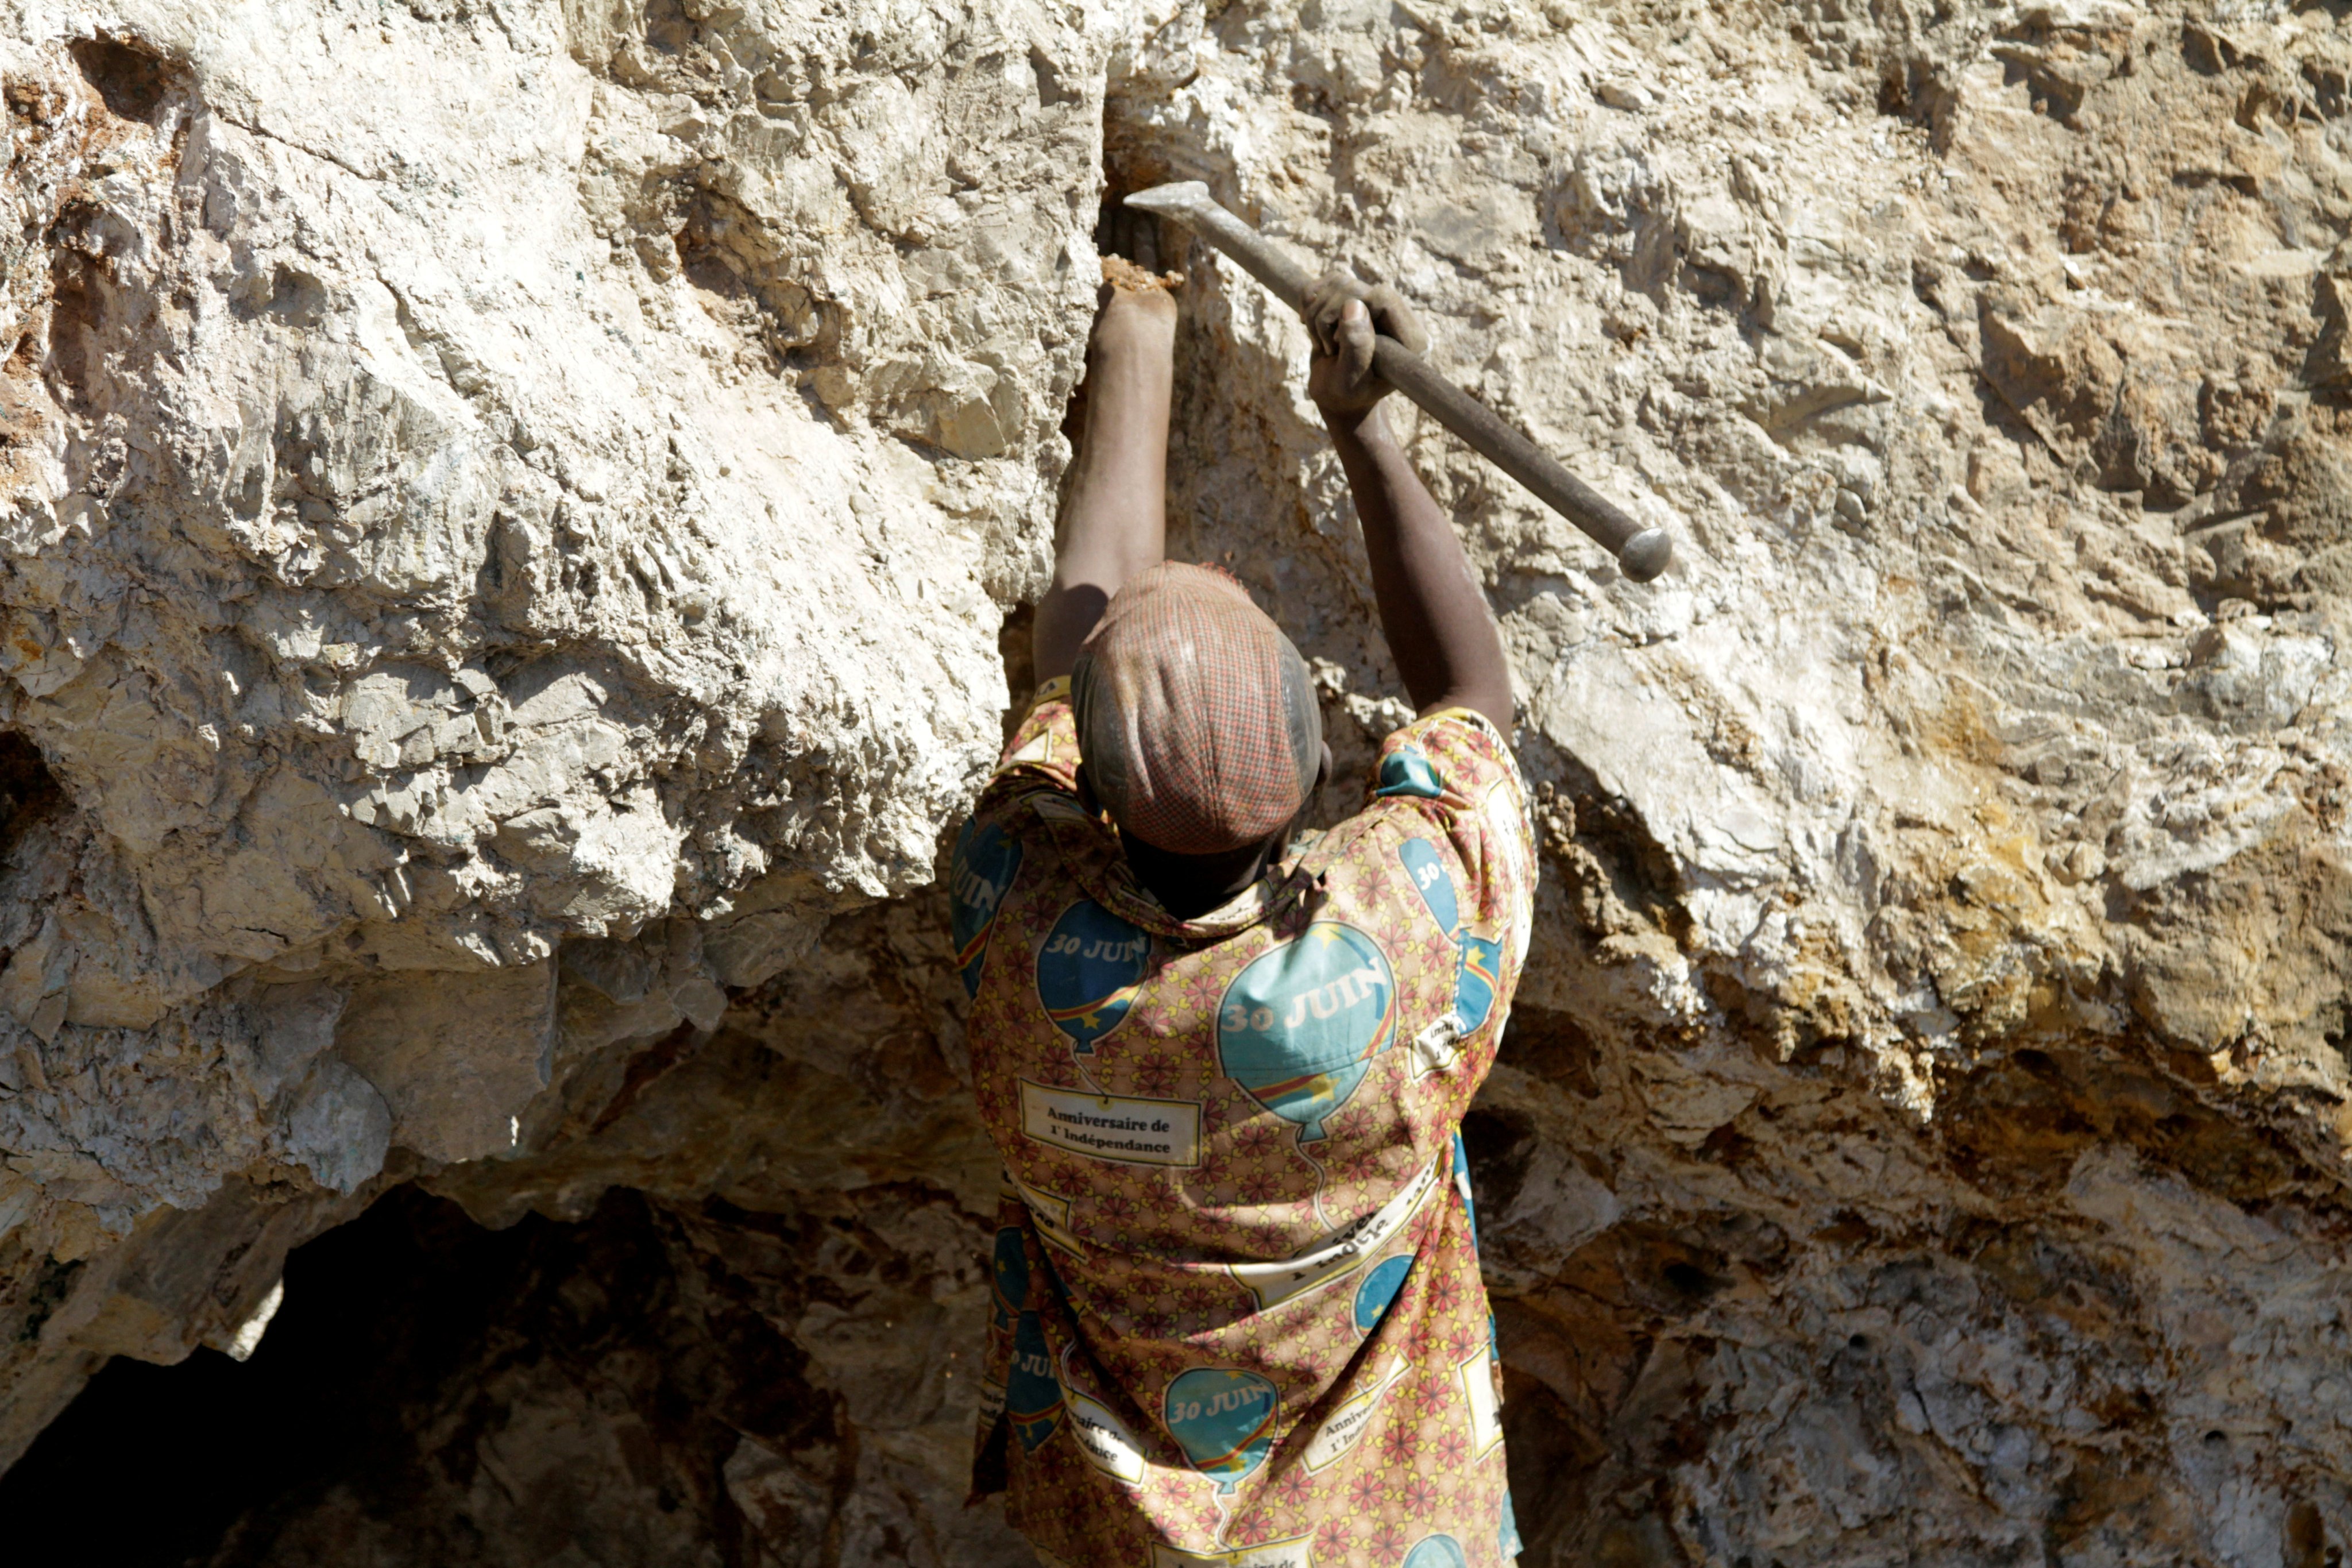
509, 513
511, 510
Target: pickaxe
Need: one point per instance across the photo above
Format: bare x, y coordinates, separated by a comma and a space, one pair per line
1641, 553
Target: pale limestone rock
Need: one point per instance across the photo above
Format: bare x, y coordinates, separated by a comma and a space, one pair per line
458, 1057
428, 560
487, 477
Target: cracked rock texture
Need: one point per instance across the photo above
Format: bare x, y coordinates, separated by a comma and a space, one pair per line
511, 511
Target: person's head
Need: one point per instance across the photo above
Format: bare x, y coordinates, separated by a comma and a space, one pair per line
1198, 732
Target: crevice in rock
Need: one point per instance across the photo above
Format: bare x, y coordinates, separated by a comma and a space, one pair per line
129, 74
29, 793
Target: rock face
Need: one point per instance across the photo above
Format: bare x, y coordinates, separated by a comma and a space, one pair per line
509, 513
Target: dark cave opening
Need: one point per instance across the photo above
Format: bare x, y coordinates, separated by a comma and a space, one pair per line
377, 1422
28, 791
200, 1443
399, 1293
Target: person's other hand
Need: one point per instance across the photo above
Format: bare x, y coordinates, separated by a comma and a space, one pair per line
1391, 317
1342, 316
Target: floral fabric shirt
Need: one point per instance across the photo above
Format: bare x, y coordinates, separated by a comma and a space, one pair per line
1238, 1317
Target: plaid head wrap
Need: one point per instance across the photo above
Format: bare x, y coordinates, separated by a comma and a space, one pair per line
1196, 722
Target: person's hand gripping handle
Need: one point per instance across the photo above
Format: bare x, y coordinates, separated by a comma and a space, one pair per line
1432, 606
1348, 321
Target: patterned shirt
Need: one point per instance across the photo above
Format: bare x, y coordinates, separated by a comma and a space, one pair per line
1238, 1312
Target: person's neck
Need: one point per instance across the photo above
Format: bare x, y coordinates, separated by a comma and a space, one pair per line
1190, 885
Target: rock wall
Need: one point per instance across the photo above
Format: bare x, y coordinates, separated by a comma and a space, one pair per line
511, 510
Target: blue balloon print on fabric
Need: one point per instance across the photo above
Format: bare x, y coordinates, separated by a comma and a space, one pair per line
986, 861
1009, 1281
1380, 1289
1508, 1534
1299, 1027
1224, 1418
1426, 866
1089, 969
1033, 1394
1408, 771
1477, 978
1436, 1552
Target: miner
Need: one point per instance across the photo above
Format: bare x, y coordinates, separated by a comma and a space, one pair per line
1237, 1315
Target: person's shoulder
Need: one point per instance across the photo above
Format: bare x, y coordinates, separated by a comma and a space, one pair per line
1449, 774
1454, 756
1449, 810
1041, 760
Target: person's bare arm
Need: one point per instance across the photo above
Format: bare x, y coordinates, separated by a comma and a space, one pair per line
1432, 607
1114, 522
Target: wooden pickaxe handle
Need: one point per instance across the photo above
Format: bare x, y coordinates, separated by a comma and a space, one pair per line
1641, 553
